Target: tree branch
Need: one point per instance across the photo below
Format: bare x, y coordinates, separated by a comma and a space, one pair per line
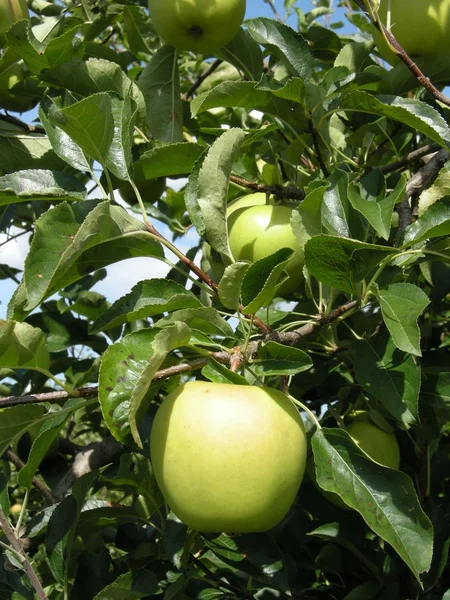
25, 126
284, 193
91, 457
198, 82
412, 66
416, 185
17, 546
38, 484
315, 137
409, 158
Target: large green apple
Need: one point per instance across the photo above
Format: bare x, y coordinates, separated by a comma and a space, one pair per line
8, 99
422, 27
381, 446
201, 26
10, 12
257, 231
228, 458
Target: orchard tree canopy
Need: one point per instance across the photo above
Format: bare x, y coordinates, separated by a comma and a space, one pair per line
287, 199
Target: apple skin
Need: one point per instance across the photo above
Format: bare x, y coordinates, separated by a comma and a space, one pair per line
228, 458
201, 26
258, 231
381, 446
10, 12
8, 100
422, 28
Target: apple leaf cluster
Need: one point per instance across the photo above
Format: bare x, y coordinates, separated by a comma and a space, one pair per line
284, 200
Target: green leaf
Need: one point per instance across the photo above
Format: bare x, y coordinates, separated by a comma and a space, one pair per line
164, 342
47, 434
168, 160
389, 375
147, 298
385, 498
284, 43
439, 189
343, 263
209, 189
89, 123
39, 184
263, 279
245, 54
134, 474
419, 115
434, 223
71, 241
336, 207
276, 359
23, 347
61, 142
230, 284
377, 211
15, 421
127, 370
135, 584
62, 527
160, 85
205, 319
401, 305
218, 373
244, 94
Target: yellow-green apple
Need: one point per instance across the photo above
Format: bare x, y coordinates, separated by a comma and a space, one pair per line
228, 458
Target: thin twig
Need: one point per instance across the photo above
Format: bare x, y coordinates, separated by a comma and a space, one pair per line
221, 583
200, 273
290, 338
198, 82
283, 193
17, 546
271, 3
412, 66
25, 126
38, 484
416, 185
15, 236
223, 357
409, 158
315, 137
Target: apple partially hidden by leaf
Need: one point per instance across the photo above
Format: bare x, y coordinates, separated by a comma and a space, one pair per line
10, 100
228, 458
381, 446
421, 27
202, 26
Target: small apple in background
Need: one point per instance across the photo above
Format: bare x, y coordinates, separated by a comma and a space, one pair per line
381, 446
151, 190
201, 26
228, 458
10, 12
255, 232
422, 27
8, 99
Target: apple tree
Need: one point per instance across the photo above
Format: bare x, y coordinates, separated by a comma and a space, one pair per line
296, 188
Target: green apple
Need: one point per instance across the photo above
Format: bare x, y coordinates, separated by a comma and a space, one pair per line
228, 458
10, 12
422, 27
257, 231
381, 446
201, 26
8, 99
151, 190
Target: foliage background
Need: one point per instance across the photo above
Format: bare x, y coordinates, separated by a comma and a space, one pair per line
367, 149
